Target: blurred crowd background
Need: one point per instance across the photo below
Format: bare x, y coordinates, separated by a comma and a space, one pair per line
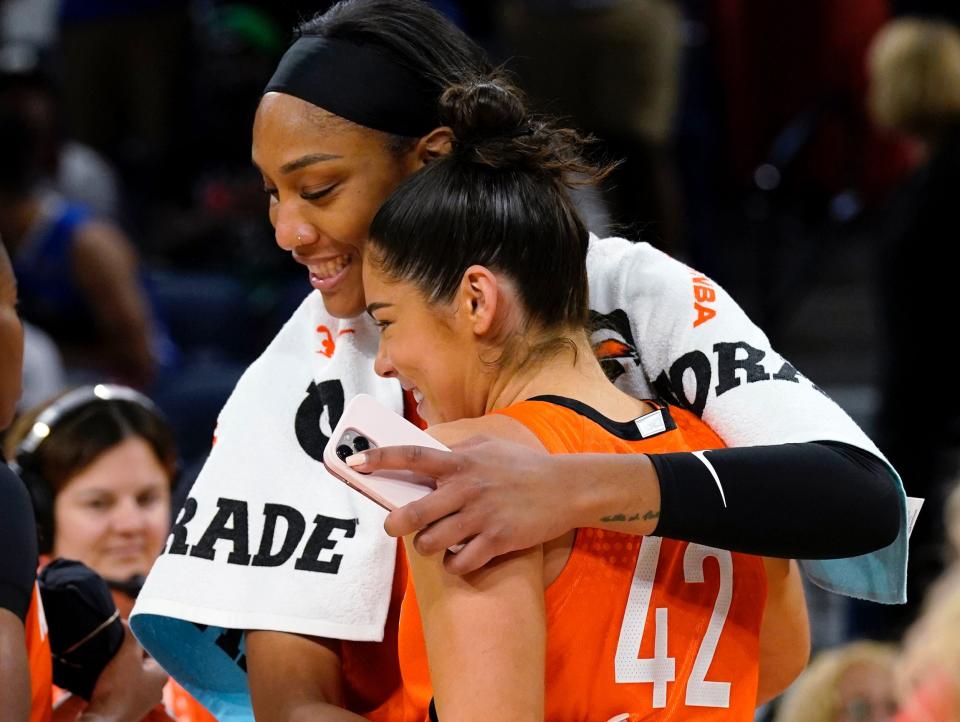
804, 153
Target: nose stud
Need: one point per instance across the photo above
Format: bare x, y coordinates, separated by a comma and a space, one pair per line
299, 238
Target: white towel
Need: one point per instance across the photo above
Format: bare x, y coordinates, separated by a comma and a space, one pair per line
677, 335
326, 573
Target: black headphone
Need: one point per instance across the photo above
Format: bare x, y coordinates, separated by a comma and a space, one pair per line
24, 464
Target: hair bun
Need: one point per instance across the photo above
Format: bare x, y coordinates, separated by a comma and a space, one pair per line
482, 109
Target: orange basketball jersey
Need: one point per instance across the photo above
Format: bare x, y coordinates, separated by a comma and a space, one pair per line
41, 663
638, 628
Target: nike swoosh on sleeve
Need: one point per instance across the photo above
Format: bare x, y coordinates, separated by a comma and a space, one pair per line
713, 472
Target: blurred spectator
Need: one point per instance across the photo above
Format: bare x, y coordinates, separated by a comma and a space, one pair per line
853, 683
224, 226
101, 476
929, 674
952, 519
779, 61
100, 470
125, 67
613, 65
240, 46
29, 21
43, 373
929, 670
78, 277
914, 68
792, 159
73, 169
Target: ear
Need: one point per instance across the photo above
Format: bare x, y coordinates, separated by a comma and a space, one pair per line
438, 142
480, 295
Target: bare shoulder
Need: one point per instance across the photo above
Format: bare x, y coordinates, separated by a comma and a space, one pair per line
491, 426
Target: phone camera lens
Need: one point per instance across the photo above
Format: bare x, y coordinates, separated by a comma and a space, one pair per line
343, 451
361, 443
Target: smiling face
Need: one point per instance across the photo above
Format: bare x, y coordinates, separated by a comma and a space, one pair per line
326, 179
434, 349
115, 514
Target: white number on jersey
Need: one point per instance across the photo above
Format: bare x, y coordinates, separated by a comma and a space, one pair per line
660, 669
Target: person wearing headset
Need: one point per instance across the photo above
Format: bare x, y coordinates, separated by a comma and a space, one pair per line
100, 463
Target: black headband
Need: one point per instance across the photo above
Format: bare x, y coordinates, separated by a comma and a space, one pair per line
361, 83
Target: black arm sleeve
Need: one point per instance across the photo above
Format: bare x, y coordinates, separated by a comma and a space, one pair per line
18, 544
818, 500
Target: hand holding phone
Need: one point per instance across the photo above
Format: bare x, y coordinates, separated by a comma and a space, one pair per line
367, 424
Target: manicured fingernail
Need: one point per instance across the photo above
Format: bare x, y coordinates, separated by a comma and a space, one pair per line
356, 460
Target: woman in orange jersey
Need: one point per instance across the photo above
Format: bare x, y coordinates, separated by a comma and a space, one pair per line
475, 273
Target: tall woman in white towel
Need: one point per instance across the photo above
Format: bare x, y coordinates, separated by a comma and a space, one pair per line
351, 111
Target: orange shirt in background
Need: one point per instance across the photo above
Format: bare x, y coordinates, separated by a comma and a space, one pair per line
41, 663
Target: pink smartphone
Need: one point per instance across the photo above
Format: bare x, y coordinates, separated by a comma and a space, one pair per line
367, 424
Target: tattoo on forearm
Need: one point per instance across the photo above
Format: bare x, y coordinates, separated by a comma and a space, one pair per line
647, 516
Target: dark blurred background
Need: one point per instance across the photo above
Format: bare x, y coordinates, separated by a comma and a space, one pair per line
750, 147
